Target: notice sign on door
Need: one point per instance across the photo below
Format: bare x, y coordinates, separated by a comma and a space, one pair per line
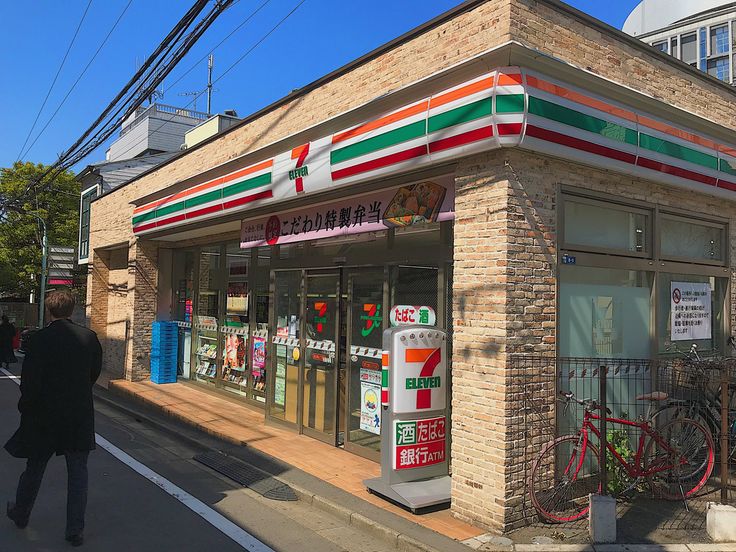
690, 311
419, 443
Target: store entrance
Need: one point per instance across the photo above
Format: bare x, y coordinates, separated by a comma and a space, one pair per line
327, 354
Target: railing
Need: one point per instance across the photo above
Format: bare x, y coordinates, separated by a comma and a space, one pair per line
166, 109
704, 390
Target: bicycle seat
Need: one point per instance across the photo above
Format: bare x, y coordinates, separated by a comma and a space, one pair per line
653, 396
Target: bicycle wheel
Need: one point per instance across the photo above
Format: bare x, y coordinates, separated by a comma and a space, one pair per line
562, 478
683, 467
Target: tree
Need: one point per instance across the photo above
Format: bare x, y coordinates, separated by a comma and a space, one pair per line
20, 231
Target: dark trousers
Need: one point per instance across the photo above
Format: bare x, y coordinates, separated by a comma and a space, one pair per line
76, 494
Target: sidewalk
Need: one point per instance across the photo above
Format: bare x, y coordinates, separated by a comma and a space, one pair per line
243, 425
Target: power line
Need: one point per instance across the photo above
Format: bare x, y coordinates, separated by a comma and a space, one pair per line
232, 66
63, 61
89, 63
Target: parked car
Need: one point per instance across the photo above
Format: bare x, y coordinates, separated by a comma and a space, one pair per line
25, 338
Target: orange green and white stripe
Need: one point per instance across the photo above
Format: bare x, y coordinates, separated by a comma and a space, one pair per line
208, 199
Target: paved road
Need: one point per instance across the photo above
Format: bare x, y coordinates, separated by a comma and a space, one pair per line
127, 512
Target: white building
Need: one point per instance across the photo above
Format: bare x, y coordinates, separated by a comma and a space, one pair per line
698, 32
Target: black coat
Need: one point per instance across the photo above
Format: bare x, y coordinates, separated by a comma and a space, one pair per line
7, 333
62, 363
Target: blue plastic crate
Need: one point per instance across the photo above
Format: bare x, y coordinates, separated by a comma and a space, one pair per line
163, 378
164, 351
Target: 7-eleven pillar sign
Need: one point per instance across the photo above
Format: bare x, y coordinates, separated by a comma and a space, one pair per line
414, 432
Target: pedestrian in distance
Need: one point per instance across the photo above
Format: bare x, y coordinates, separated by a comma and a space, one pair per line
7, 333
57, 414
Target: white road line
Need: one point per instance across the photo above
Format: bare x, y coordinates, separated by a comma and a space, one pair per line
217, 520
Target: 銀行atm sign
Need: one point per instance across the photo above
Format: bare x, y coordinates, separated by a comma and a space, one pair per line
419, 443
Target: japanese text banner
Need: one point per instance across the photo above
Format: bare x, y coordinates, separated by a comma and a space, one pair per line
418, 203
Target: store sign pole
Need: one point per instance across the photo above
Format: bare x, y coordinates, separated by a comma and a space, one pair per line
415, 424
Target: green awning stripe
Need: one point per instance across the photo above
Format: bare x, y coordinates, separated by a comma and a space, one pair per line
382, 141
583, 121
462, 114
204, 198
173, 208
144, 217
727, 168
677, 151
245, 185
510, 103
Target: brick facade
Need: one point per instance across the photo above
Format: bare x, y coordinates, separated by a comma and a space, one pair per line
505, 236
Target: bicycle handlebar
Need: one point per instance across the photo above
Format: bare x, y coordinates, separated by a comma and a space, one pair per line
588, 404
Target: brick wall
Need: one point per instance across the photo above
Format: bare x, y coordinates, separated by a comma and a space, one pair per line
504, 301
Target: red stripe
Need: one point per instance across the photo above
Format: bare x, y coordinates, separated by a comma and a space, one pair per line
170, 220
727, 185
380, 162
461, 139
506, 129
676, 171
205, 211
577, 143
144, 227
384, 396
266, 194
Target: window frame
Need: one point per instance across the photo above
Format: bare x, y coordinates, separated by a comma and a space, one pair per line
92, 193
689, 219
578, 197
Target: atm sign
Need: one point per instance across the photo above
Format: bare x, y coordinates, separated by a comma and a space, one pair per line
402, 315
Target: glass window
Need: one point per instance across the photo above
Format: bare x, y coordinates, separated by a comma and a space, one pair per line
719, 40
683, 238
661, 46
673, 48
697, 319
719, 68
605, 226
689, 49
604, 313
703, 49
84, 213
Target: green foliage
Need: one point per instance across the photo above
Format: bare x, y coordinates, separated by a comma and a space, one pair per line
618, 479
20, 232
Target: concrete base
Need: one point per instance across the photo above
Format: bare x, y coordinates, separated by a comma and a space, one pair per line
602, 519
720, 522
415, 495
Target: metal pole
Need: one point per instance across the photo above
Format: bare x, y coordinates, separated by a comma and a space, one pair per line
724, 434
603, 455
44, 261
210, 64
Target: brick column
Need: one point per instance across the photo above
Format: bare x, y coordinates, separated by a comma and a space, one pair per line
98, 278
142, 290
480, 327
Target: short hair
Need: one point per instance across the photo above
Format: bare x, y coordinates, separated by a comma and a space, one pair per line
60, 303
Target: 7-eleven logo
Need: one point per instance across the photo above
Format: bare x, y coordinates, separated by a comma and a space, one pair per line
321, 318
430, 359
301, 170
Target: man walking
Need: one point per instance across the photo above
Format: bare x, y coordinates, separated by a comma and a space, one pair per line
61, 365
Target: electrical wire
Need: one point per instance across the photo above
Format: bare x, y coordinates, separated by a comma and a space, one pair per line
230, 68
76, 82
61, 66
141, 85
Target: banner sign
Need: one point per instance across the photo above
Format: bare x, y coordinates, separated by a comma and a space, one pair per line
402, 315
419, 443
258, 359
423, 202
690, 311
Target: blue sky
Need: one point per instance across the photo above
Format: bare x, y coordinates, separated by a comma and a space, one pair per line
320, 37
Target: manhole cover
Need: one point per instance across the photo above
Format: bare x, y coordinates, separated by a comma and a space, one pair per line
247, 476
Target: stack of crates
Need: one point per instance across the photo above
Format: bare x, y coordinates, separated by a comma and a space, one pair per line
164, 344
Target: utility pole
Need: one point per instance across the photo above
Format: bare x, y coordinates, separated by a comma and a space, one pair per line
210, 65
44, 262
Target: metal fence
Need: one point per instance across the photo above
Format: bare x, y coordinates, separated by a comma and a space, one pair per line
704, 390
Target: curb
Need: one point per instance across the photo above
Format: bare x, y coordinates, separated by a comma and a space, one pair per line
396, 539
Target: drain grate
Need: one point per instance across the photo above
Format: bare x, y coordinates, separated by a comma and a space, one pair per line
247, 476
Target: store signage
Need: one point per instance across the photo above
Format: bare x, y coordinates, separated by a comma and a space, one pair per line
402, 315
372, 318
690, 311
419, 443
419, 203
321, 318
419, 372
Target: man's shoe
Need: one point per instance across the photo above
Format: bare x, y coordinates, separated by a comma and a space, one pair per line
75, 540
13, 515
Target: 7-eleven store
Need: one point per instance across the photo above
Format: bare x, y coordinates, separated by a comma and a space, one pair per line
533, 207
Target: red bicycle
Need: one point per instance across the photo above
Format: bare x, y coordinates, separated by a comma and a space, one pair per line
676, 459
